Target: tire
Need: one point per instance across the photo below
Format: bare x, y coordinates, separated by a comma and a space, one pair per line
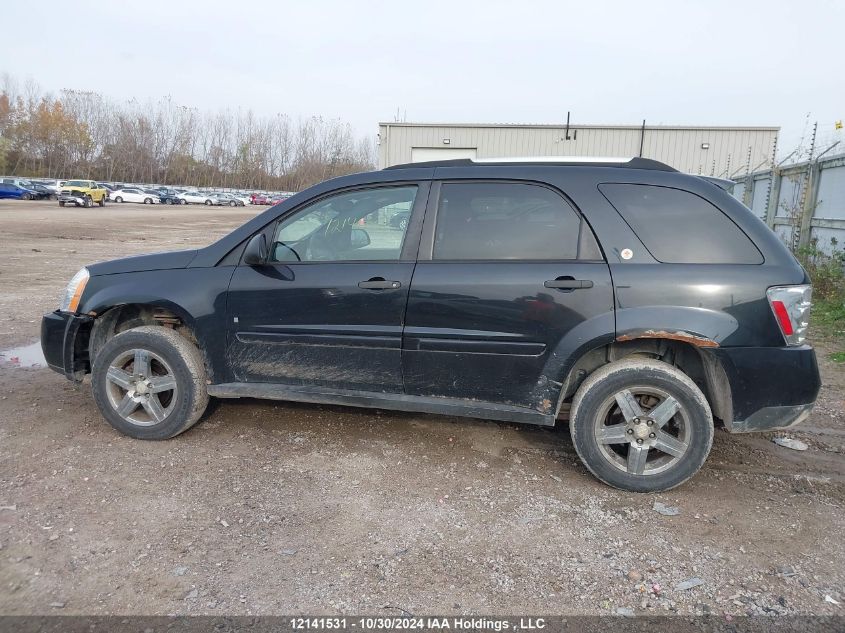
88, 202
183, 201
118, 199
25, 196
102, 201
687, 432
208, 203
232, 203
61, 204
171, 357
148, 200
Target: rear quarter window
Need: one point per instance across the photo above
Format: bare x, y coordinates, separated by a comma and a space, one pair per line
680, 227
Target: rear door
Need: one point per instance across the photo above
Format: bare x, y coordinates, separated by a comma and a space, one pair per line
506, 270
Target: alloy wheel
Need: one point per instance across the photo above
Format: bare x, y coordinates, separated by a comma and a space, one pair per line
642, 430
141, 387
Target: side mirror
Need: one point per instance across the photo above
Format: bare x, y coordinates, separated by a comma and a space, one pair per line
255, 253
359, 238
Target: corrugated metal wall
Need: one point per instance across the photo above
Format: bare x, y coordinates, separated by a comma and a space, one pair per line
803, 203
729, 150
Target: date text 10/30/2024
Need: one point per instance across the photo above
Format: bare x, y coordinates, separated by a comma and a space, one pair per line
413, 623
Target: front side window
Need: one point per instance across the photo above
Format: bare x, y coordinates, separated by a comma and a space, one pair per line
680, 227
351, 226
504, 221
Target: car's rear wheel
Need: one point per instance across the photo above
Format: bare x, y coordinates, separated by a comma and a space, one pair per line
232, 203
208, 203
641, 425
183, 201
150, 383
118, 199
61, 204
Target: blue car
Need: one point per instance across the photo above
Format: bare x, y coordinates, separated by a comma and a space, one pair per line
17, 193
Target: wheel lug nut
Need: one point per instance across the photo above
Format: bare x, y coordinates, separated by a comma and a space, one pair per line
639, 441
630, 431
650, 422
652, 435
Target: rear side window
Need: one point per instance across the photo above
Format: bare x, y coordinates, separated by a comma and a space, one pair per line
679, 227
507, 221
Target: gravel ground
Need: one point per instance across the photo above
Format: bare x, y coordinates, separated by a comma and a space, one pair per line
268, 508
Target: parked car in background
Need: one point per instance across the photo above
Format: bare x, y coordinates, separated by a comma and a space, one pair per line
260, 198
43, 191
226, 199
169, 196
87, 190
16, 192
399, 219
164, 195
244, 198
75, 198
195, 197
134, 194
24, 183
55, 185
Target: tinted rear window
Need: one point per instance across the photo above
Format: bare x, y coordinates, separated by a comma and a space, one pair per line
679, 227
502, 220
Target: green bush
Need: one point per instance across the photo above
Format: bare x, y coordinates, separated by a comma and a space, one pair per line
826, 270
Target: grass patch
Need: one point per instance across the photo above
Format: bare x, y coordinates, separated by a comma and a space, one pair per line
838, 357
828, 317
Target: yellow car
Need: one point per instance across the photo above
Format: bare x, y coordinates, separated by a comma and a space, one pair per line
82, 193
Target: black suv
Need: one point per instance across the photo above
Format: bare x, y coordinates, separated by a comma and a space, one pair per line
642, 305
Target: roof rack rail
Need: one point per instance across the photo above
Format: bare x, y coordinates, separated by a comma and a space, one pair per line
569, 161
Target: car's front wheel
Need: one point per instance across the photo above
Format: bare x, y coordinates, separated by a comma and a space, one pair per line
118, 199
208, 203
150, 383
641, 425
148, 200
102, 201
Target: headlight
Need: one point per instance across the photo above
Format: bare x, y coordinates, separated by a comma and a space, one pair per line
73, 292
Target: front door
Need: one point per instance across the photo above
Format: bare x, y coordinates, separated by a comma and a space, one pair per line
328, 306
507, 270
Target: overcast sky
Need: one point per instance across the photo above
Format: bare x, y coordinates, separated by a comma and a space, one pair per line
709, 62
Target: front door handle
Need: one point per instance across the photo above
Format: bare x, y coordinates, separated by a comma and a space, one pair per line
568, 283
378, 283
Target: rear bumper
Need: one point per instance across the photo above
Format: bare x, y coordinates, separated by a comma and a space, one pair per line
63, 348
771, 387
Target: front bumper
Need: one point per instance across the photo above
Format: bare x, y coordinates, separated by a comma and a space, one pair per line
68, 198
771, 387
64, 349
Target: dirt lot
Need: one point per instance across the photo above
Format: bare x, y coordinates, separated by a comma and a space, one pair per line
286, 508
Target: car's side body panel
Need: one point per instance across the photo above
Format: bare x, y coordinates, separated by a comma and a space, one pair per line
481, 332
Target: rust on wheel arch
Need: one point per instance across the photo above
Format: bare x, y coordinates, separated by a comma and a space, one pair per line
679, 335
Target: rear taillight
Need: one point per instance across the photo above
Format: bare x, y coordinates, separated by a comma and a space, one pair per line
791, 306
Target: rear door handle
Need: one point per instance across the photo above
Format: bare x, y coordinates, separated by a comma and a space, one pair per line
377, 283
568, 283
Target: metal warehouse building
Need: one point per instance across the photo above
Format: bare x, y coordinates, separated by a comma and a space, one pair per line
713, 151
